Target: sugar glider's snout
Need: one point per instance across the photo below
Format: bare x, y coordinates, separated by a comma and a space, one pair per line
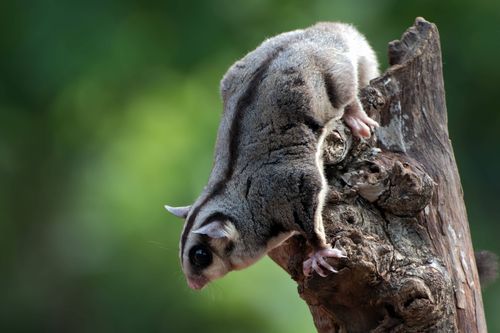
206, 246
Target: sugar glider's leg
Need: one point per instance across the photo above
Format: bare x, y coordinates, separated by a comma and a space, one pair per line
342, 85
357, 119
321, 250
316, 188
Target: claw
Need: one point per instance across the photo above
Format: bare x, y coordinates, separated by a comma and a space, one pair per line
340, 250
318, 263
317, 268
326, 265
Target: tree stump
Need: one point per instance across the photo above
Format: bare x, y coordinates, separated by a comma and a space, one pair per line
396, 206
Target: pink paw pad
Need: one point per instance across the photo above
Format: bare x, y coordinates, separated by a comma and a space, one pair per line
317, 262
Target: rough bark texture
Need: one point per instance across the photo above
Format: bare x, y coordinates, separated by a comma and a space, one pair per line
396, 206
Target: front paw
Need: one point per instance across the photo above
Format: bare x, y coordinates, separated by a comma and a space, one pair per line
318, 263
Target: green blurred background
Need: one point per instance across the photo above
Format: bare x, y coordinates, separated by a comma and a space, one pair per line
109, 109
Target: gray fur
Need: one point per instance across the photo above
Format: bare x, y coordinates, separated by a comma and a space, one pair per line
267, 178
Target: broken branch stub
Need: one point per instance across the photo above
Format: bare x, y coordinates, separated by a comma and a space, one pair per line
395, 205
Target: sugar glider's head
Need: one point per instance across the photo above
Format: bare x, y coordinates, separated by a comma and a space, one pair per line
210, 246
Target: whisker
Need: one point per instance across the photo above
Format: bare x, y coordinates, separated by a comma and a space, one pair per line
160, 245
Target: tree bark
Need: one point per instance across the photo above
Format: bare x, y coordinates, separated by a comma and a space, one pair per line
396, 206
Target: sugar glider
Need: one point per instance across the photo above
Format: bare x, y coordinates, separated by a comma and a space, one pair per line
267, 182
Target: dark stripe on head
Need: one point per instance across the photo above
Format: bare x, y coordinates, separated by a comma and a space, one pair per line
189, 225
216, 217
192, 217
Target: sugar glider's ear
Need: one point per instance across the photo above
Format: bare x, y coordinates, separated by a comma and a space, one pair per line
218, 229
179, 211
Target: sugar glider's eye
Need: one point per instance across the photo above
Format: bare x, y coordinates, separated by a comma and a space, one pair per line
200, 256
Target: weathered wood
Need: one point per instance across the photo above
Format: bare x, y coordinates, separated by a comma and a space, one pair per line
396, 206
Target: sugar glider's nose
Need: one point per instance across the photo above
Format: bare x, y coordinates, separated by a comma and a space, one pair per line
196, 282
